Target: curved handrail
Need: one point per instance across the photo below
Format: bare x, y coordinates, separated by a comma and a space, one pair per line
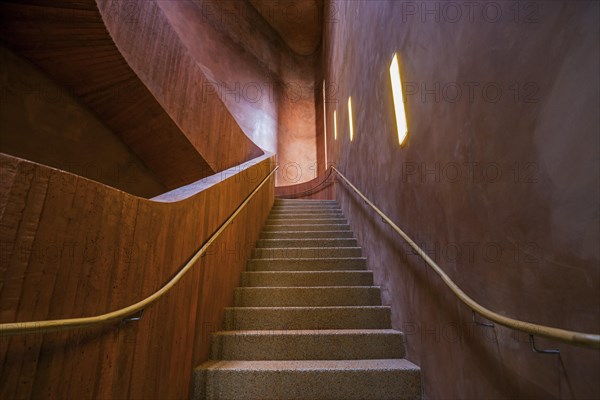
22, 328
564, 335
310, 191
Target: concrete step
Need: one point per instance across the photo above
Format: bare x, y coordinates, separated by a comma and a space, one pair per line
311, 221
296, 210
310, 227
306, 207
307, 296
307, 278
304, 201
306, 252
278, 243
295, 216
294, 318
306, 216
307, 264
307, 234
341, 344
307, 380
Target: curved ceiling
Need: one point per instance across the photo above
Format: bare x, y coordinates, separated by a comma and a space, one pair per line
298, 22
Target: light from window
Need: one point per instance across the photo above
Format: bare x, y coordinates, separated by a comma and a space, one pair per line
324, 124
335, 124
401, 124
350, 118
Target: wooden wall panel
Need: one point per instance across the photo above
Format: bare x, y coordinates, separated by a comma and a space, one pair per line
69, 42
73, 247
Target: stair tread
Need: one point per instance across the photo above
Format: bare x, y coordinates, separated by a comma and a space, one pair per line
307, 308
308, 287
309, 259
311, 365
314, 273
309, 332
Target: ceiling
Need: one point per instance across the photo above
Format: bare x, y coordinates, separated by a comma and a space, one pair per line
298, 22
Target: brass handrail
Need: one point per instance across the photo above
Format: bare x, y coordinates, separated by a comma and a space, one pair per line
310, 191
563, 335
23, 328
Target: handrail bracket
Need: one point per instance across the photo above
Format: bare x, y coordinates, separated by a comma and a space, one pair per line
133, 317
541, 351
486, 324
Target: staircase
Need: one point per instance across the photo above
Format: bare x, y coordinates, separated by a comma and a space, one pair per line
307, 322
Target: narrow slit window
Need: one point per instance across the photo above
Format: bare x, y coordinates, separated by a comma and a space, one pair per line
335, 124
324, 123
399, 105
350, 118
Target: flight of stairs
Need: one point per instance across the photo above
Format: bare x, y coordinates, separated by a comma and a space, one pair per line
307, 322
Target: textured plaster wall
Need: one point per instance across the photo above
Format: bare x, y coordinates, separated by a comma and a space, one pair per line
266, 87
498, 181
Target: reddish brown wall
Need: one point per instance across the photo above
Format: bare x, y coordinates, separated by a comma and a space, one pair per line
41, 122
523, 243
163, 61
73, 247
267, 88
69, 42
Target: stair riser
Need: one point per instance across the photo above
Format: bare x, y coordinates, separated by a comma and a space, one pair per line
308, 235
306, 203
289, 318
307, 384
295, 217
324, 264
314, 346
306, 279
306, 211
279, 243
316, 221
307, 297
308, 252
311, 227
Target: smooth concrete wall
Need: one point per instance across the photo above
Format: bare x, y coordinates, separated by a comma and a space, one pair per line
166, 64
267, 87
498, 181
41, 121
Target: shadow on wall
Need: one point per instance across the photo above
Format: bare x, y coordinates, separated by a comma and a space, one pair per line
42, 122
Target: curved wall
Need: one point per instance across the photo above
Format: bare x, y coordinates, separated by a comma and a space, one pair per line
267, 87
153, 49
69, 42
41, 122
72, 247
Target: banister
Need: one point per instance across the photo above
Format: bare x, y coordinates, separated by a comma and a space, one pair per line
325, 183
563, 335
23, 328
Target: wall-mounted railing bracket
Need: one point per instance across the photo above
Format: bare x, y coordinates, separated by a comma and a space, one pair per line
541, 351
486, 324
134, 317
